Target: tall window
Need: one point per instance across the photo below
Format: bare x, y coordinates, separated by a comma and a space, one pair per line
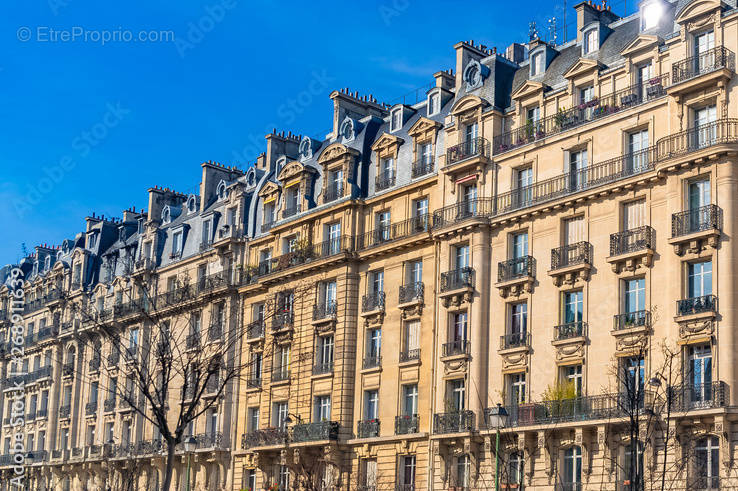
572, 466
591, 41
573, 375
704, 43
322, 408
635, 295
523, 184
253, 419
407, 471
536, 64
515, 469
412, 338
384, 230
638, 158
519, 247
456, 395
282, 360
371, 404
700, 367
460, 324
573, 307
334, 237
325, 351
516, 383
374, 344
633, 465
633, 375
577, 170
410, 400
468, 199
420, 207
376, 282
387, 168
707, 453
461, 256
706, 132
463, 471
518, 321
177, 243
279, 414
425, 153
699, 279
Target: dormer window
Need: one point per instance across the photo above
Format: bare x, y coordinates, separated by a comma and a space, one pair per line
221, 191
434, 103
651, 15
191, 204
47, 263
347, 130
396, 120
177, 243
166, 215
140, 225
91, 241
305, 149
536, 64
206, 231
591, 41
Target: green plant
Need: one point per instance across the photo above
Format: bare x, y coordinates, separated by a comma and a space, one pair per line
560, 117
560, 391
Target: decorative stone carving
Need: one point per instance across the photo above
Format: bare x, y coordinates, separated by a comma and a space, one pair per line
696, 328
374, 319
631, 343
516, 288
456, 299
455, 366
515, 360
414, 310
568, 352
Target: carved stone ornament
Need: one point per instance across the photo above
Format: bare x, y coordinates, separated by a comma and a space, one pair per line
516, 289
570, 351
455, 366
457, 299
415, 310
628, 343
374, 319
696, 328
515, 360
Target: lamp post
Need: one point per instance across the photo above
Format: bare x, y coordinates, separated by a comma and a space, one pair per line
498, 417
189, 446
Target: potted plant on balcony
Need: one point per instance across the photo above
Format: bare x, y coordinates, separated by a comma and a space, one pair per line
303, 252
560, 117
528, 130
561, 400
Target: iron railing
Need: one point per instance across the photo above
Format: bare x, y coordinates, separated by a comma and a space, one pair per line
373, 301
515, 340
372, 361
453, 422
290, 211
212, 439
303, 255
65, 411
453, 348
709, 217
193, 340
91, 407
368, 428
635, 239
580, 114
282, 320
94, 364
696, 305
109, 404
628, 320
332, 193
267, 436
411, 293
571, 255
698, 396
309, 432
384, 181
405, 425
325, 310
518, 267
255, 330
421, 168
215, 331
395, 231
323, 368
280, 374
474, 147
463, 210
457, 278
698, 137
409, 355
570, 330
713, 59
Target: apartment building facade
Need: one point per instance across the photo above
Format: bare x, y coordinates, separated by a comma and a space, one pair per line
523, 280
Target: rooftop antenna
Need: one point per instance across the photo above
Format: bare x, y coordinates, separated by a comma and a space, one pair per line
552, 33
532, 30
23, 249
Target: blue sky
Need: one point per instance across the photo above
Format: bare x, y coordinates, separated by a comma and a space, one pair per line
87, 126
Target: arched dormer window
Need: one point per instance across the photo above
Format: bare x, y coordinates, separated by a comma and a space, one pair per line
474, 74
191, 204
347, 130
166, 215
221, 191
47, 263
651, 14
434, 103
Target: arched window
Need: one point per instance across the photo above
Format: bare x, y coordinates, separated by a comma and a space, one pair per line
221, 191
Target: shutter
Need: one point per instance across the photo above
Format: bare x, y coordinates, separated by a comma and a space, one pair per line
634, 214
574, 230
413, 333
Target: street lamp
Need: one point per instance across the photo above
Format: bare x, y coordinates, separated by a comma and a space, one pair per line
288, 419
189, 446
498, 417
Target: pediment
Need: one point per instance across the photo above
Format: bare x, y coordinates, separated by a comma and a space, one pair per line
386, 141
640, 43
527, 89
335, 151
268, 189
696, 9
468, 103
59, 266
581, 67
292, 169
423, 125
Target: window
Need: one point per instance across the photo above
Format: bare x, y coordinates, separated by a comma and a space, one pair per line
698, 196
322, 408
333, 231
533, 114
635, 295
94, 387
456, 395
651, 15
518, 322
471, 132
523, 184
460, 322
633, 465
707, 453
706, 131
292, 200
325, 351
369, 474
383, 223
572, 466
410, 400
704, 44
396, 122
591, 41
700, 368
577, 170
177, 243
414, 272
468, 200
133, 341
282, 360
573, 307
249, 479
283, 477
257, 360
463, 468
327, 297
374, 344
573, 375
371, 404
279, 414
376, 282
515, 469
411, 339
407, 471
633, 378
420, 207
461, 256
206, 232
434, 104
268, 213
516, 387
634, 214
387, 168
425, 153
638, 158
536, 64
699, 279
253, 419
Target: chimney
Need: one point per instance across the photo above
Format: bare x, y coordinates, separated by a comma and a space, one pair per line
131, 215
161, 197
515, 52
445, 80
465, 52
351, 104
586, 13
212, 174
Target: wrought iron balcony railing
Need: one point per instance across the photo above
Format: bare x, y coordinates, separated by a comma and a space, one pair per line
109, 404
405, 425
515, 340
322, 368
571, 255
457, 279
94, 364
212, 439
698, 396
463, 210
581, 114
395, 231
457, 347
310, 432
474, 147
570, 330
372, 361
373, 301
628, 320
696, 305
282, 320
253, 382
325, 310
65, 411
290, 211
633, 240
333, 192
368, 428
193, 340
411, 293
453, 422
91, 407
303, 255
384, 181
267, 436
708, 217
255, 330
421, 167
409, 355
518, 267
215, 331
280, 374
68, 369
693, 139
703, 63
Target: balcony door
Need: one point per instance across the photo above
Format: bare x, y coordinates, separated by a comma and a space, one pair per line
637, 152
572, 477
457, 395
700, 368
577, 170
699, 279
524, 185
704, 119
471, 132
461, 258
469, 200
644, 73
334, 238
704, 53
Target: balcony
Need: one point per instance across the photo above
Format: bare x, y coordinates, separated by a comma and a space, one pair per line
368, 428
371, 361
699, 396
213, 282
691, 307
266, 226
570, 330
571, 263
323, 368
42, 414
457, 286
255, 330
193, 341
312, 432
253, 383
215, 332
325, 311
711, 61
109, 405
584, 113
481, 209
475, 148
406, 425
421, 168
151, 447
303, 255
290, 211
68, 369
94, 364
91, 408
213, 439
332, 193
265, 437
631, 249
692, 229
280, 375
373, 302
384, 181
516, 340
407, 355
65, 411
516, 276
114, 358
460, 347
453, 422
282, 321
640, 320
393, 232
412, 293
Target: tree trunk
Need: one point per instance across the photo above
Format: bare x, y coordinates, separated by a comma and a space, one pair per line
170, 466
